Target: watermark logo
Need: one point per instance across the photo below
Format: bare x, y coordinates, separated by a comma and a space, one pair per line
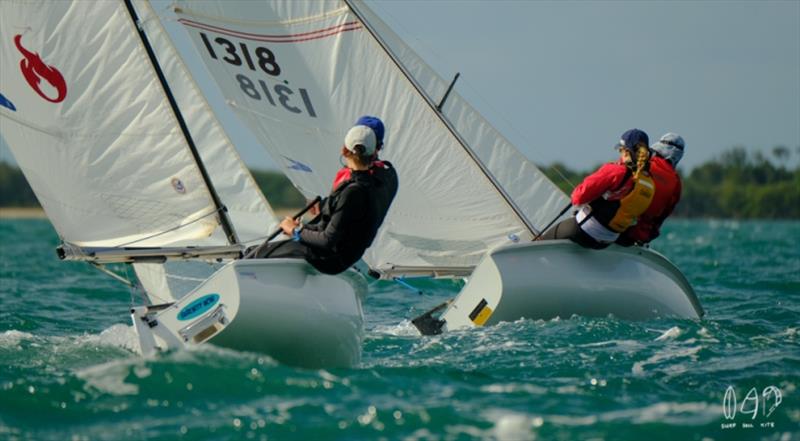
754, 410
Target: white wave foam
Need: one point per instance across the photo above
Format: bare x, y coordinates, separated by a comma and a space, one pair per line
110, 377
670, 333
506, 388
697, 413
119, 335
12, 338
789, 334
624, 345
403, 329
691, 352
509, 425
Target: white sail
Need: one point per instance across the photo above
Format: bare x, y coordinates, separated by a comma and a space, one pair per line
300, 73
531, 192
92, 130
248, 210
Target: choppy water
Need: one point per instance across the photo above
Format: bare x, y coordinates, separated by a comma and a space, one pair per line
66, 371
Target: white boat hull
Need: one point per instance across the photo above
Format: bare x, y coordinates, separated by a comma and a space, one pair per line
295, 314
548, 279
280, 307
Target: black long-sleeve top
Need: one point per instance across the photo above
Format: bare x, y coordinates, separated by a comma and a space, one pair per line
348, 221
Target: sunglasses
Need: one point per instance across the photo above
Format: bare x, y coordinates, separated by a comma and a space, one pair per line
672, 143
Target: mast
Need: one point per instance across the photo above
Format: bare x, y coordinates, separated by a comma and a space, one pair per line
436, 110
222, 211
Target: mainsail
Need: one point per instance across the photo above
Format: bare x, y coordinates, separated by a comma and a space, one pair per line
92, 128
299, 73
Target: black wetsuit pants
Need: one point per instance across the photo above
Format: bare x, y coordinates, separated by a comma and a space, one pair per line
295, 250
283, 248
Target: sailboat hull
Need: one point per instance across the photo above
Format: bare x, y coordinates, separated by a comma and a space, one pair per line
295, 314
548, 279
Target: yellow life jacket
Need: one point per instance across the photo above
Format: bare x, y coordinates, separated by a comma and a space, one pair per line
633, 204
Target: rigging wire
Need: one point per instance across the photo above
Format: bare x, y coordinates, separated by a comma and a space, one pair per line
137, 287
126, 279
397, 24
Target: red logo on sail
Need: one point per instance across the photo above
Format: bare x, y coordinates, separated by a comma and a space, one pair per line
34, 70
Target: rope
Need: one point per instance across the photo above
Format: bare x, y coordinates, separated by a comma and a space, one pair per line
169, 230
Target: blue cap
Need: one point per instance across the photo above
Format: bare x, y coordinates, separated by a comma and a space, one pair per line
631, 139
670, 147
375, 124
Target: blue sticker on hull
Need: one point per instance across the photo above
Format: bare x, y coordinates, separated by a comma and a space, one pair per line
198, 307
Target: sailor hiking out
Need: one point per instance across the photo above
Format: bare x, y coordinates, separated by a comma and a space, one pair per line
348, 218
665, 155
383, 172
611, 199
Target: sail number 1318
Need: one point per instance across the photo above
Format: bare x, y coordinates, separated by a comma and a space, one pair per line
263, 59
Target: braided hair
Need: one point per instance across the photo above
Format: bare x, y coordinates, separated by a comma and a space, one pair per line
642, 159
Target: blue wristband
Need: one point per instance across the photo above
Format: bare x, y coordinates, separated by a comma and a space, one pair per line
296, 234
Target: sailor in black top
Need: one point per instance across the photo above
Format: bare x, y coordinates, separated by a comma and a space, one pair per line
349, 217
385, 175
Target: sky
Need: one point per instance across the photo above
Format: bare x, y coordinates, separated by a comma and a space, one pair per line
563, 79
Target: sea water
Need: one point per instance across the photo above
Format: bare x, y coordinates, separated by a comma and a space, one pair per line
68, 370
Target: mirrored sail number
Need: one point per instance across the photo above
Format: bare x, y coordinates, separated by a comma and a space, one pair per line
261, 58
282, 92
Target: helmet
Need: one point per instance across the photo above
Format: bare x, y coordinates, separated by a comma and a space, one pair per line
670, 147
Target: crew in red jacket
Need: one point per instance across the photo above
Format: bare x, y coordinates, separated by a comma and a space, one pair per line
612, 198
667, 152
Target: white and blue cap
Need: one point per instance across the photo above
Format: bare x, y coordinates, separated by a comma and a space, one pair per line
361, 135
670, 147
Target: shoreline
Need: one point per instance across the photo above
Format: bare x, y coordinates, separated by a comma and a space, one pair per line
38, 212
22, 213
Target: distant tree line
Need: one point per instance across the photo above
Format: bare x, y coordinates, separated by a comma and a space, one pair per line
737, 184
15, 191
742, 186
278, 189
